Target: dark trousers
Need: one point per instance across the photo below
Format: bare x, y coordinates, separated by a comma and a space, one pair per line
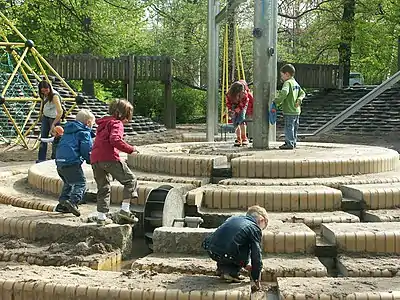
103, 171
44, 133
227, 265
54, 147
74, 183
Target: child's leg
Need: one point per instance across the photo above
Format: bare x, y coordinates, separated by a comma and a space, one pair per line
65, 194
243, 129
69, 175
289, 132
121, 172
101, 176
296, 128
79, 185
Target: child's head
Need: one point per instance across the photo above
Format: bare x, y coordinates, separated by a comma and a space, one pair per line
236, 91
260, 214
287, 72
121, 109
86, 117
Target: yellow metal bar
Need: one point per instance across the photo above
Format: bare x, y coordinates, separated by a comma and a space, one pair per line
28, 116
223, 78
71, 109
226, 87
14, 72
34, 123
239, 47
14, 124
41, 67
22, 99
54, 72
8, 22
7, 44
16, 57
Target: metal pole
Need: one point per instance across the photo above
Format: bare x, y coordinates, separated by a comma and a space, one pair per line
263, 49
398, 53
273, 64
212, 71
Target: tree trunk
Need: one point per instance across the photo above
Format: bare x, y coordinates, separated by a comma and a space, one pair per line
346, 36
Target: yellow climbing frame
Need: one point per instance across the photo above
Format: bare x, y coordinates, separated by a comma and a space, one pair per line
20, 66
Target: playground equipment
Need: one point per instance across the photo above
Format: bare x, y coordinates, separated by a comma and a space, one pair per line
21, 68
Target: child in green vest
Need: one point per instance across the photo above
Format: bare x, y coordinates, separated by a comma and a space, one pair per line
290, 99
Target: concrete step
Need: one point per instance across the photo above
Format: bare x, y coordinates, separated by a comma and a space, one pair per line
368, 266
375, 196
278, 238
36, 282
383, 237
273, 198
215, 217
54, 227
382, 215
339, 288
274, 265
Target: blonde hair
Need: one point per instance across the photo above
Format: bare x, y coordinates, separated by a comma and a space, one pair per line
85, 115
121, 109
257, 212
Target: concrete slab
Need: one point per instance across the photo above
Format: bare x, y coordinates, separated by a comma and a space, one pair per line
273, 198
54, 227
382, 215
376, 196
274, 265
369, 266
34, 282
339, 288
277, 238
334, 182
383, 237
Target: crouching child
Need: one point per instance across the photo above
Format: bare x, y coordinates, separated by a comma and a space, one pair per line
73, 149
234, 242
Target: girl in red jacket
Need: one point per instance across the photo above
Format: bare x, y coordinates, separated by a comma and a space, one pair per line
239, 102
105, 161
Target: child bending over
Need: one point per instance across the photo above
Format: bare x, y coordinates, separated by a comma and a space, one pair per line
106, 161
73, 148
290, 98
239, 102
235, 241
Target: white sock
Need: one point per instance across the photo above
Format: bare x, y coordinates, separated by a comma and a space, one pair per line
125, 206
101, 216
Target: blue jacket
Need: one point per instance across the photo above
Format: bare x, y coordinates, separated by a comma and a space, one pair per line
75, 145
239, 237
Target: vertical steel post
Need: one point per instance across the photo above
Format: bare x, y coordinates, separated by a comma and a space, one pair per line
274, 64
264, 49
212, 89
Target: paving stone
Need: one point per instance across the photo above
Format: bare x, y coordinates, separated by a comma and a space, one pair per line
274, 265
339, 288
383, 237
273, 198
382, 215
369, 266
376, 196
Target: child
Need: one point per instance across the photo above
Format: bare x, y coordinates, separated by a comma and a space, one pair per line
290, 98
239, 102
106, 161
235, 241
74, 147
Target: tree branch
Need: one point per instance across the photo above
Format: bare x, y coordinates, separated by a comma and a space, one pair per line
304, 12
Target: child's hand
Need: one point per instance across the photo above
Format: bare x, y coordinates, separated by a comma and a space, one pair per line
255, 286
298, 102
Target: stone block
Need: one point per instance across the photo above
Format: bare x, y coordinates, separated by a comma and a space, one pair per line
368, 266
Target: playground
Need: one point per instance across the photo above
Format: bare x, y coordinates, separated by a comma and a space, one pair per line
333, 201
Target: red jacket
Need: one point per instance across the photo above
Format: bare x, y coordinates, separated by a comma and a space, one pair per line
246, 100
109, 141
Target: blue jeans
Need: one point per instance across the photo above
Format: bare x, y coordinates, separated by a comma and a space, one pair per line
291, 127
74, 183
44, 133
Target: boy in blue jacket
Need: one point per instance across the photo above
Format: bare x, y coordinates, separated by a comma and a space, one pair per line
235, 241
74, 147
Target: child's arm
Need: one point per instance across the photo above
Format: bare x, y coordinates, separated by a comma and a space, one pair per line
228, 103
283, 93
116, 134
300, 97
242, 103
85, 145
255, 253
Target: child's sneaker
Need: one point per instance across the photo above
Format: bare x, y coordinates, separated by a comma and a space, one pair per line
106, 221
128, 216
61, 209
232, 278
237, 143
73, 208
245, 142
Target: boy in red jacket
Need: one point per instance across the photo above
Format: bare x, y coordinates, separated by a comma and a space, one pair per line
239, 102
105, 161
